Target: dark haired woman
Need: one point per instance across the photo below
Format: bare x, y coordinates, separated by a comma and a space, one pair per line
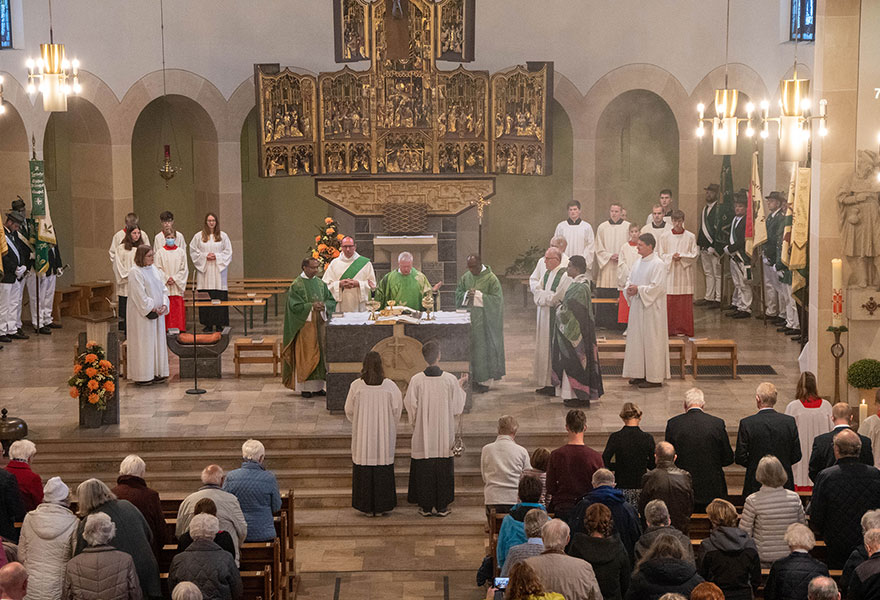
373, 406
603, 549
123, 261
211, 253
664, 568
813, 417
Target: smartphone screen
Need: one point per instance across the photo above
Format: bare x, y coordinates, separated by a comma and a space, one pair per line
501, 583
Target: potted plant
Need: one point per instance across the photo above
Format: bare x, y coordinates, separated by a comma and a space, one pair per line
327, 243
93, 383
864, 374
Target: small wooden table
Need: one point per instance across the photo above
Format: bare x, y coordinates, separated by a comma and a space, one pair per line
236, 304
97, 325
725, 348
95, 294
677, 353
268, 343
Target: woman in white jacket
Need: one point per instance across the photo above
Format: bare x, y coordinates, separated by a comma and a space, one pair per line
48, 535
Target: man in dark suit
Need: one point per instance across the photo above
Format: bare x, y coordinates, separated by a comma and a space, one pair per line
766, 432
822, 454
774, 301
842, 494
711, 238
702, 448
740, 270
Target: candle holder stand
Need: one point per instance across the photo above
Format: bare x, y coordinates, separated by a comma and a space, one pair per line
837, 351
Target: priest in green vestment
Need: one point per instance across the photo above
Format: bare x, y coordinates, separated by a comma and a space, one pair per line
479, 291
309, 301
406, 286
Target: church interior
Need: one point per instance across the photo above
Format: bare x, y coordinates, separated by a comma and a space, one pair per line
429, 133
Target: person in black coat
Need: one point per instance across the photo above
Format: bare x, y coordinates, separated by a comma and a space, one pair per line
11, 507
841, 495
702, 448
626, 519
663, 570
865, 583
822, 454
870, 520
767, 432
602, 548
712, 235
729, 557
629, 453
739, 259
791, 575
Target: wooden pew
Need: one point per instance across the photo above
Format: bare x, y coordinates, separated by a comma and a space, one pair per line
257, 585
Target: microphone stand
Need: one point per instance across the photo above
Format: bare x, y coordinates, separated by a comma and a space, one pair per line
195, 389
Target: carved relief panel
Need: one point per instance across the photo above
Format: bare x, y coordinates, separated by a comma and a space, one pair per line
461, 125
351, 30
521, 101
286, 107
455, 30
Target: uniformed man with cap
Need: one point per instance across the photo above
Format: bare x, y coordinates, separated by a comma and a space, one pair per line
14, 270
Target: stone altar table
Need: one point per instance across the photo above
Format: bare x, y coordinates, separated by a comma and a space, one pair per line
352, 335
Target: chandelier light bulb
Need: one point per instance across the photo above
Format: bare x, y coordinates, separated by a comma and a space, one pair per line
31, 89
823, 131
65, 64
805, 104
77, 88
75, 64
700, 131
764, 105
701, 107
750, 132
765, 134
29, 63
750, 107
2, 109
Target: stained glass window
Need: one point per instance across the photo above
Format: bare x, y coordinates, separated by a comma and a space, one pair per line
803, 20
5, 25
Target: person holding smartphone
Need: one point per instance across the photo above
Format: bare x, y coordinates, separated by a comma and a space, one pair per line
523, 584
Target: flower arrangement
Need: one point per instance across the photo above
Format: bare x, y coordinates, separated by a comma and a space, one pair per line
327, 242
94, 377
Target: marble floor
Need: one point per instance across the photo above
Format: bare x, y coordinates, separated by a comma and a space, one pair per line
33, 387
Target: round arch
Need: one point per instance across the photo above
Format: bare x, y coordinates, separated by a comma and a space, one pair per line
14, 145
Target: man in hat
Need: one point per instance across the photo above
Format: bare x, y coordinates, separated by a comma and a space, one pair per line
774, 301
14, 270
711, 239
40, 299
740, 269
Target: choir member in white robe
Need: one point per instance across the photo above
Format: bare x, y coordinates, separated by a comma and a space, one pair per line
171, 260
147, 348
540, 268
665, 203
814, 417
646, 360
578, 233
547, 296
122, 262
211, 253
610, 236
678, 249
350, 278
131, 221
871, 429
373, 406
166, 218
628, 254
658, 224
433, 400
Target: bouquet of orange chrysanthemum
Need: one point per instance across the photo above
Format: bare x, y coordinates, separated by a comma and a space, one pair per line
94, 377
327, 242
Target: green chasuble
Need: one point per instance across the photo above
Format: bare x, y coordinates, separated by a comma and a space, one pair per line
405, 290
302, 349
487, 324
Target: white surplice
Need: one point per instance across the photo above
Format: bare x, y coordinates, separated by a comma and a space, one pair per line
432, 403
647, 343
159, 240
211, 274
871, 429
628, 255
580, 240
538, 273
122, 266
680, 274
350, 300
173, 265
147, 348
117, 241
547, 299
651, 218
811, 422
374, 411
609, 237
658, 232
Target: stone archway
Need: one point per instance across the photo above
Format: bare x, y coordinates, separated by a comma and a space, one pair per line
14, 155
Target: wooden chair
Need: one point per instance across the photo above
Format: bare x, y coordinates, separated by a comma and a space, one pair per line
246, 345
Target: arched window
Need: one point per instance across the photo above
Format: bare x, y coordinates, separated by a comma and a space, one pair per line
5, 25
803, 20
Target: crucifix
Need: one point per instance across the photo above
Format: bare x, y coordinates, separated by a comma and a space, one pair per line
481, 204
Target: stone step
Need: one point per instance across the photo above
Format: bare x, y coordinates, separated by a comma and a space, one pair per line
464, 521
310, 498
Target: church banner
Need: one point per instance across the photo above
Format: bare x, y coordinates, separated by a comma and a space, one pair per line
42, 231
756, 221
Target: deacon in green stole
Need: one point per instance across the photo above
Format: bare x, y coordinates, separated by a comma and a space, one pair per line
575, 350
480, 292
303, 367
406, 286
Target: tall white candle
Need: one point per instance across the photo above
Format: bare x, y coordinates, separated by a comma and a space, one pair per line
863, 412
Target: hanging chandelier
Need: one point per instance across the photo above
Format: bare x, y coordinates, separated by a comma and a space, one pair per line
795, 118
52, 74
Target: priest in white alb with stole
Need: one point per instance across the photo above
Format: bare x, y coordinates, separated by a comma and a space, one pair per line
646, 360
578, 234
610, 236
537, 275
350, 278
547, 297
678, 249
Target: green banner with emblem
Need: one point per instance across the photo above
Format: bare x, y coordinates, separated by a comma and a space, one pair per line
42, 233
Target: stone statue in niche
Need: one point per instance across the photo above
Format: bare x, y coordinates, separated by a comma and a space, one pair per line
858, 204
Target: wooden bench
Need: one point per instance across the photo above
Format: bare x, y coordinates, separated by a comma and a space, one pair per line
268, 344
95, 294
67, 300
257, 585
611, 353
720, 353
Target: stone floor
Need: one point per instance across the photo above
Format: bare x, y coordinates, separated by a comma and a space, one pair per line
33, 387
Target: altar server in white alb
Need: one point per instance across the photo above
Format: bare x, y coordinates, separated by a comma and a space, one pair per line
148, 305
678, 249
665, 203
350, 278
610, 236
657, 223
627, 257
432, 402
646, 360
171, 260
547, 297
537, 275
578, 234
167, 229
131, 222
211, 253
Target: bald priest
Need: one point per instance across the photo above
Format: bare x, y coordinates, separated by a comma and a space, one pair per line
406, 285
350, 278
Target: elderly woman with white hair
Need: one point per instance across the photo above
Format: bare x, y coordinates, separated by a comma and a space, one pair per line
768, 512
21, 453
100, 570
257, 491
791, 575
206, 564
186, 590
132, 531
46, 544
131, 486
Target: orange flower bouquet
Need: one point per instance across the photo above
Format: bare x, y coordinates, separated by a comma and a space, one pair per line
327, 242
94, 377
